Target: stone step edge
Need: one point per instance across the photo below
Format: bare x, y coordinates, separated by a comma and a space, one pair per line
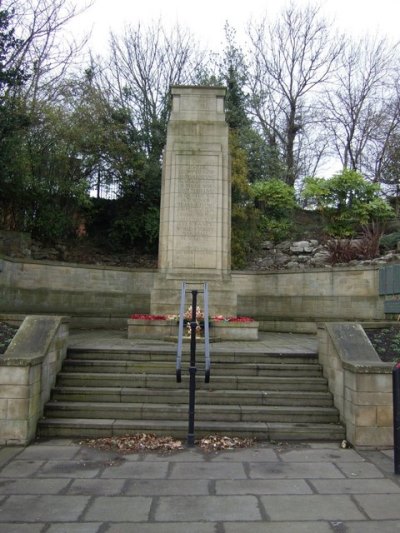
184, 391
263, 431
183, 407
217, 353
217, 365
185, 376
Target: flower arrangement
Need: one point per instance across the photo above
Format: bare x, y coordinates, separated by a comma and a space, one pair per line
188, 317
224, 327
220, 318
148, 317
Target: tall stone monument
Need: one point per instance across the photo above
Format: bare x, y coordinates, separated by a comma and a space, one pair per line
195, 219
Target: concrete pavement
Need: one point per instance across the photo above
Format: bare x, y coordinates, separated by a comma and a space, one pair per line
59, 486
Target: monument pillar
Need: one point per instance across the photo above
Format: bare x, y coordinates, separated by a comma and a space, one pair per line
195, 213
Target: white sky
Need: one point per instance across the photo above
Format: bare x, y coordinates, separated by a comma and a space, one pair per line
206, 18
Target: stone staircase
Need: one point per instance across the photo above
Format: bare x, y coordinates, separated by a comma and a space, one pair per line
269, 396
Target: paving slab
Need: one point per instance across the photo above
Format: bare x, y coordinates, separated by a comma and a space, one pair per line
245, 455
380, 506
167, 487
359, 470
75, 528
383, 526
278, 527
214, 470
6, 454
118, 509
311, 507
59, 486
354, 486
21, 469
96, 487
330, 455
173, 527
32, 486
207, 508
48, 452
282, 470
43, 508
263, 486
21, 528
138, 470
69, 469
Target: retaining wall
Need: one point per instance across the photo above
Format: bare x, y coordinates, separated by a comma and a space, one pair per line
284, 300
91, 295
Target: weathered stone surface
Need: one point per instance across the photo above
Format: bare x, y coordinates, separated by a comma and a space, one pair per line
360, 382
195, 212
195, 197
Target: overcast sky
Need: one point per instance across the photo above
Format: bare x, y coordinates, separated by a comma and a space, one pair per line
206, 18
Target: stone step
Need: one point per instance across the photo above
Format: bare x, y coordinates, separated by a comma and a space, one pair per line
97, 379
276, 431
213, 397
276, 394
224, 413
218, 369
228, 356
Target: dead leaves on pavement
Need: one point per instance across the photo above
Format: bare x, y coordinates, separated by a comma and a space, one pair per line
149, 442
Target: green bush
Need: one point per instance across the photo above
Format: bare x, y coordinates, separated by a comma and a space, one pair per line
389, 242
346, 202
276, 230
274, 197
276, 200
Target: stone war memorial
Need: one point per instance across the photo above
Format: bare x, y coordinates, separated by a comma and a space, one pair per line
311, 374
195, 221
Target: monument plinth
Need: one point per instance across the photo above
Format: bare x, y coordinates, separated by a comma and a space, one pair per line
195, 213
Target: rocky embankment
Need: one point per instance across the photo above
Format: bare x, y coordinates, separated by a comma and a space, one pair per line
295, 255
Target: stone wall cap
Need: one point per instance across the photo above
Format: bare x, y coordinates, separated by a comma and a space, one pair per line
31, 342
175, 89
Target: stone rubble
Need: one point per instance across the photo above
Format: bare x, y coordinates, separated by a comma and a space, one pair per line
306, 254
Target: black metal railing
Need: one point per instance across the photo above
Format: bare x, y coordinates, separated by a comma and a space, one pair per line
192, 366
396, 418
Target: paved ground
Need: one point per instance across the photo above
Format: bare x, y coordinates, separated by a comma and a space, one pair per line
60, 486
268, 342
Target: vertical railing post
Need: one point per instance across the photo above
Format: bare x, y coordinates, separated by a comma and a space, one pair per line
206, 336
192, 370
180, 334
396, 418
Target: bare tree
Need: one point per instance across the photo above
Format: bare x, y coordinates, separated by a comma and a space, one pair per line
44, 43
360, 109
292, 58
144, 63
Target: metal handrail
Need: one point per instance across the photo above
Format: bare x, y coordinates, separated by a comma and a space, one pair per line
207, 356
207, 359
192, 366
180, 335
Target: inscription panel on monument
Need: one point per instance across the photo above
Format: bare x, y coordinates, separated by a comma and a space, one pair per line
196, 201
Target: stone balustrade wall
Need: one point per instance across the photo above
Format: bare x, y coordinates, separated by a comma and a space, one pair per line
360, 383
28, 371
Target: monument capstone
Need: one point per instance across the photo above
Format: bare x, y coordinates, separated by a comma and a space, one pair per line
195, 212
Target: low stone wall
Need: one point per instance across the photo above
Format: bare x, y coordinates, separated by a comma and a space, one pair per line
296, 300
360, 383
28, 371
105, 296
221, 330
93, 296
